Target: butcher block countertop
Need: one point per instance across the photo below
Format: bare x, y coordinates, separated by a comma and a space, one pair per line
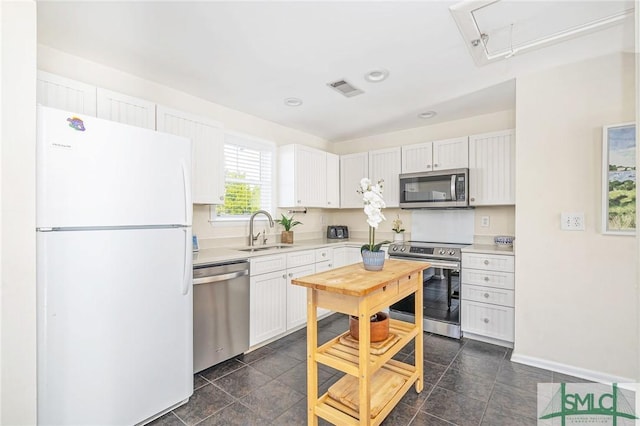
354, 280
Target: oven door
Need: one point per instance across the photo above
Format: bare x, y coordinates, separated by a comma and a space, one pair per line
441, 299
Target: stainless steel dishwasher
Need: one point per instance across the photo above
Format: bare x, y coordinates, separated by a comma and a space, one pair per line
220, 312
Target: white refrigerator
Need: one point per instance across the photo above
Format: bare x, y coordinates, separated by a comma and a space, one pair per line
114, 271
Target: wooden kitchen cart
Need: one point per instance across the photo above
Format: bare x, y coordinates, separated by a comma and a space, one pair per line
354, 291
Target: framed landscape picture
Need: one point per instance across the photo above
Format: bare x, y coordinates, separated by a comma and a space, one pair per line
619, 179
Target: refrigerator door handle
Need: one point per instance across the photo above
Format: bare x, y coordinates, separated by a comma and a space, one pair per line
188, 273
186, 181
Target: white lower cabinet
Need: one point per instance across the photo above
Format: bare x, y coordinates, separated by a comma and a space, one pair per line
268, 306
278, 306
487, 306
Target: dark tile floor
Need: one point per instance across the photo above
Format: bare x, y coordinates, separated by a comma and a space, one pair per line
466, 383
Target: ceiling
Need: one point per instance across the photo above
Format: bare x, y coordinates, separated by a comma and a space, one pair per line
250, 56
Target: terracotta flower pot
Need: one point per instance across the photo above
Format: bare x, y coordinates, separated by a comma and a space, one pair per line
286, 237
379, 329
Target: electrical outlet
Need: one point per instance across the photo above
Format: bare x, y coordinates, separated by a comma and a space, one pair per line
484, 221
323, 220
572, 221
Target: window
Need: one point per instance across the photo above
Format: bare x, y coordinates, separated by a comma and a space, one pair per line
248, 169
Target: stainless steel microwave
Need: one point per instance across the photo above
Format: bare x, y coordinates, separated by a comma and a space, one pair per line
438, 189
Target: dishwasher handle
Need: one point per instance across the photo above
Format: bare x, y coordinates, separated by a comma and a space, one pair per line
218, 278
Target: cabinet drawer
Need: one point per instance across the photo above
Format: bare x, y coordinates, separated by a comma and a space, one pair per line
487, 320
490, 295
324, 254
324, 266
264, 264
299, 258
488, 278
489, 262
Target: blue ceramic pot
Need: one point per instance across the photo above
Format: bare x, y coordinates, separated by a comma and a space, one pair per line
373, 260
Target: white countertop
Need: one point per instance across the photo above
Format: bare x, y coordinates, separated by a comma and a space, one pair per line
227, 254
488, 249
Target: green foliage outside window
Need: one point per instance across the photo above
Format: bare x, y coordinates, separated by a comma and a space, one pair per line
241, 198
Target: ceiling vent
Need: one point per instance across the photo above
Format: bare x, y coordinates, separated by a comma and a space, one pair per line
498, 29
345, 88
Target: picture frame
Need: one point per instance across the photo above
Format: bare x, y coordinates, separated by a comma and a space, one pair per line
619, 179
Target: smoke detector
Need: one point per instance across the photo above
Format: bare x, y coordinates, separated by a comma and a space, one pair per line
345, 88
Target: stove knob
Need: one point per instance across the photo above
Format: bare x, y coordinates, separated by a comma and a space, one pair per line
395, 248
452, 252
403, 248
442, 251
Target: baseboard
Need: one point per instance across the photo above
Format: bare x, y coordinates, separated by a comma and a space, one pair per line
583, 373
486, 339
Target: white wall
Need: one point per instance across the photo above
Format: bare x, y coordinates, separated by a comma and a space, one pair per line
450, 129
89, 72
576, 292
502, 217
17, 252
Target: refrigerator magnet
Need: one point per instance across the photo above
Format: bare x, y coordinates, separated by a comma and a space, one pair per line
196, 247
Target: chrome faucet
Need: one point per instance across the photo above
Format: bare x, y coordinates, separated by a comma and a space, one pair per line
253, 238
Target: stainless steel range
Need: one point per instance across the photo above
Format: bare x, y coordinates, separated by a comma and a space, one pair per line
441, 290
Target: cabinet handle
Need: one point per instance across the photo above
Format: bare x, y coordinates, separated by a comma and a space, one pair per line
328, 202
472, 199
330, 265
435, 165
222, 198
486, 278
428, 166
486, 320
290, 275
486, 262
284, 276
324, 254
486, 295
299, 202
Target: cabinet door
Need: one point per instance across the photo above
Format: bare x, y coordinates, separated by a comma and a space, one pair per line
417, 157
268, 315
487, 320
333, 180
63, 93
385, 164
353, 167
302, 176
492, 169
207, 139
451, 154
297, 296
126, 109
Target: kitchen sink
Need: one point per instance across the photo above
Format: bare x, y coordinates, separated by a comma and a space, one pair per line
266, 248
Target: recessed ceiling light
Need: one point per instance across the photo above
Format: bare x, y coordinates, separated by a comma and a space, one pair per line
293, 102
427, 114
376, 76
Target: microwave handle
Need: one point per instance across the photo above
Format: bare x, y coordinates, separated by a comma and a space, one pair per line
454, 196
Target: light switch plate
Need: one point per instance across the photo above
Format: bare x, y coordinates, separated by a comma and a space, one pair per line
572, 221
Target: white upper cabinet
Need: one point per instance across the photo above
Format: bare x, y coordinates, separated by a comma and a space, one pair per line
385, 164
353, 167
333, 180
451, 154
62, 93
492, 169
302, 176
207, 139
126, 109
437, 155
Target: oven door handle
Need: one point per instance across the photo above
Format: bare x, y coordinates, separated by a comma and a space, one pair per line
435, 263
